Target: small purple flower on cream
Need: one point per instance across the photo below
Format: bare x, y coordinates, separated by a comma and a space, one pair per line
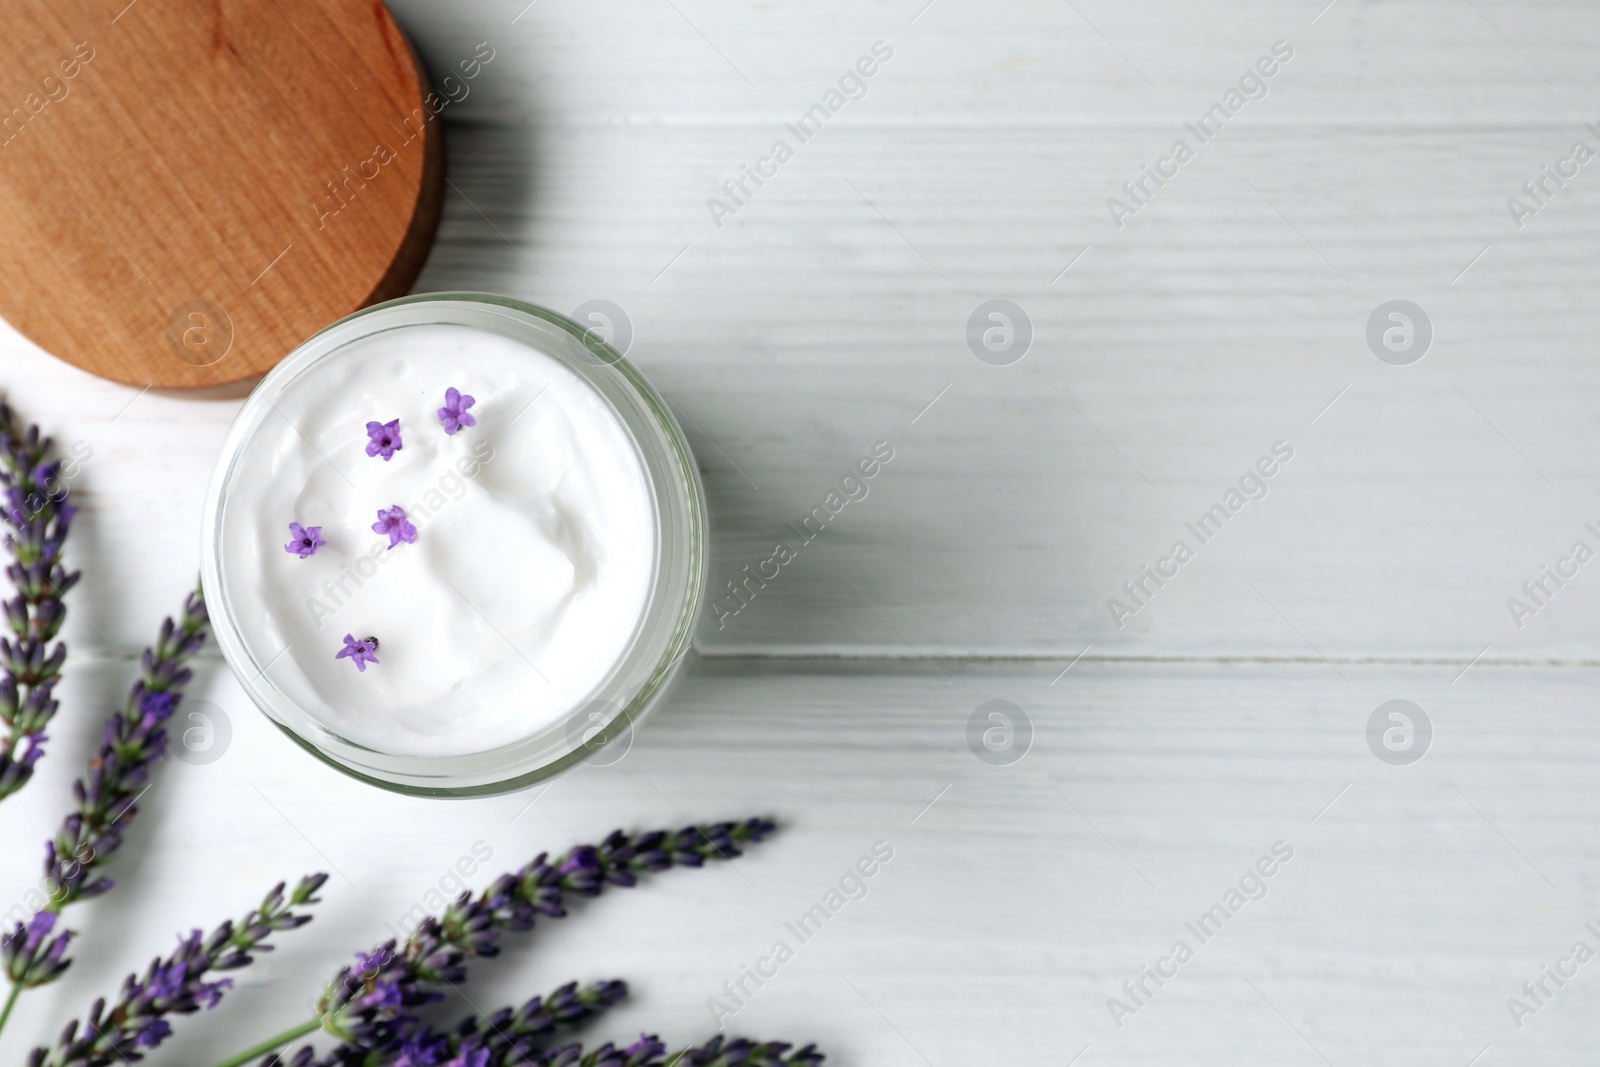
360, 652
383, 439
454, 413
305, 540
393, 521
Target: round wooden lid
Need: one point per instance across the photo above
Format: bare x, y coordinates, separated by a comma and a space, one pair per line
190, 188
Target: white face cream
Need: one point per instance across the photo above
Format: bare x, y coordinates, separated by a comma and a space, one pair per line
531, 565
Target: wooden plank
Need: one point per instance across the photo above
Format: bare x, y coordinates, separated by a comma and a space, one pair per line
1017, 505
1092, 63
1417, 900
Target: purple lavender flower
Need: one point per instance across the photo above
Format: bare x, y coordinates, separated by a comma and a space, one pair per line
304, 540
477, 1043
740, 1052
370, 1005
159, 704
454, 413
167, 981
133, 741
180, 984
393, 521
383, 439
155, 1032
369, 963
521, 1036
34, 750
360, 1006
36, 517
360, 652
31, 956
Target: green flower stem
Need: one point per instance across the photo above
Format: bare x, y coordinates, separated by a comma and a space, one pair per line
272, 1044
11, 1002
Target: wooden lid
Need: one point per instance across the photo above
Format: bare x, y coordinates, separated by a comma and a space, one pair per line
190, 188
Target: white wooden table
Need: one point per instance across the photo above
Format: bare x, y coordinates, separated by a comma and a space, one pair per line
830, 311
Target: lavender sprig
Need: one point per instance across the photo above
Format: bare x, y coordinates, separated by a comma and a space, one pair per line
649, 1051
741, 1052
511, 1035
31, 956
180, 984
368, 1005
502, 1041
133, 741
365, 1002
37, 518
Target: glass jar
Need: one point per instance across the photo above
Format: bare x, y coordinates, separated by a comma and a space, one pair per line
652, 657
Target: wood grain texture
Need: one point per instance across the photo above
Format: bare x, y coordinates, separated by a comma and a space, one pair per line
1165, 362
190, 189
1010, 515
1414, 905
1227, 715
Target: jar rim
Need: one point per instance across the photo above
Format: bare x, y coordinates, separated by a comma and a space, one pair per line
652, 659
